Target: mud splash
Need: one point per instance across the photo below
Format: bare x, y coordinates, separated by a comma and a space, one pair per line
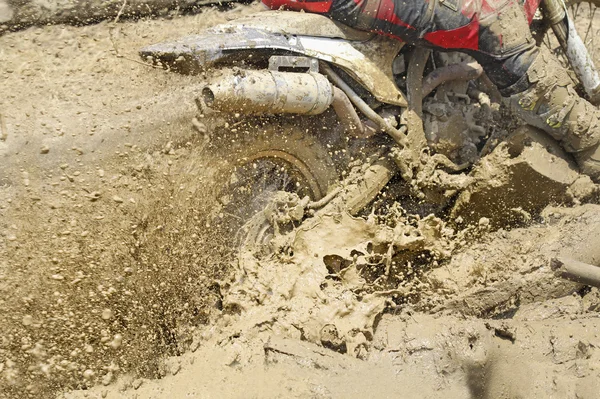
389, 304
284, 320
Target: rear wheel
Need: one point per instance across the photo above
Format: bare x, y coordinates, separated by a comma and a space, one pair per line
265, 157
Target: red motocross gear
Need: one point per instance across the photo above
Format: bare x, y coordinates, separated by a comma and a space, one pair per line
494, 32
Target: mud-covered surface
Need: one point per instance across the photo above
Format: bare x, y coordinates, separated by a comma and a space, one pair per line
103, 207
480, 326
20, 14
117, 279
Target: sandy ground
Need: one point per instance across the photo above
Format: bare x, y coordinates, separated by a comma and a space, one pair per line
20, 14
115, 283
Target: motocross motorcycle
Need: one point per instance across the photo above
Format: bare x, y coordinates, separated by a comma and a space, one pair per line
308, 98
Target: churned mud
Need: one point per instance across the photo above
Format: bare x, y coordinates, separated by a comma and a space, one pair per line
117, 279
480, 326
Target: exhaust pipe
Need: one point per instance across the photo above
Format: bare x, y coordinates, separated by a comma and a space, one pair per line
269, 92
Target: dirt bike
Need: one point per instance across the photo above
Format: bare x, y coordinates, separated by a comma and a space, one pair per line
309, 97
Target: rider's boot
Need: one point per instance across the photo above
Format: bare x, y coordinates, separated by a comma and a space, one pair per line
550, 103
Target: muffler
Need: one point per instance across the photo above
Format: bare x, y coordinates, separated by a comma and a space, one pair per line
269, 92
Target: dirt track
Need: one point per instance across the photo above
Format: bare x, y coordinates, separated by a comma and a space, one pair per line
108, 260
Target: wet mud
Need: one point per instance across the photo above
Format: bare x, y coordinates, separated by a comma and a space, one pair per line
118, 280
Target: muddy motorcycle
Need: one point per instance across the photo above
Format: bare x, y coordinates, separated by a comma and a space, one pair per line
309, 97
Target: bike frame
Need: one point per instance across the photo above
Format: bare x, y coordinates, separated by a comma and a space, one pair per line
555, 13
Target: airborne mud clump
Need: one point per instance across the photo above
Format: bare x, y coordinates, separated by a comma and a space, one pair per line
120, 278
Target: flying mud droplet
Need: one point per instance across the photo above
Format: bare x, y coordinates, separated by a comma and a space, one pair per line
94, 196
107, 314
137, 383
25, 179
194, 346
89, 374
107, 379
116, 342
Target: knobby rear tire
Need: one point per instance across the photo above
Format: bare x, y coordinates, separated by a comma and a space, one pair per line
263, 156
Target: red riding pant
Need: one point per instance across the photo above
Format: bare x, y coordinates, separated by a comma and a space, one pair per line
494, 32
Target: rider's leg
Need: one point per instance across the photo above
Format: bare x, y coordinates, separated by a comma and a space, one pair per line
537, 86
545, 97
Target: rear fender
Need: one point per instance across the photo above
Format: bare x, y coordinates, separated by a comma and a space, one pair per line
368, 61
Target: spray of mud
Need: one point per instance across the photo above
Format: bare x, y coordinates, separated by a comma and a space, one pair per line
126, 282
328, 280
108, 259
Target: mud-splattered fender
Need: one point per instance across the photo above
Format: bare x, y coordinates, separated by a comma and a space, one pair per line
368, 60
